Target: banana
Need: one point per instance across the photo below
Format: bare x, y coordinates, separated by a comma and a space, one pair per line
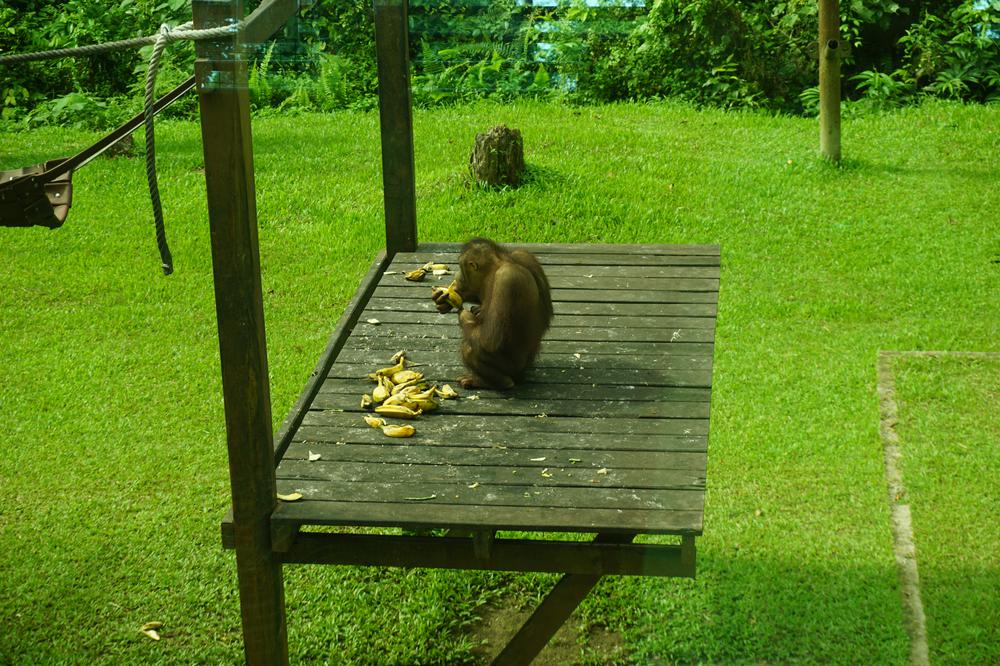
447, 392
401, 399
404, 376
416, 276
406, 386
423, 395
383, 390
366, 401
453, 296
399, 430
374, 421
439, 267
423, 404
392, 369
397, 411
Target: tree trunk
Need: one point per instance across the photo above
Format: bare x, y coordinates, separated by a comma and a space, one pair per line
497, 159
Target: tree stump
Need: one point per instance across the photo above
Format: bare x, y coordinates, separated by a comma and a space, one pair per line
498, 157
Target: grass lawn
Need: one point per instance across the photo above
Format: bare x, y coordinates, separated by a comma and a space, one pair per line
114, 474
950, 443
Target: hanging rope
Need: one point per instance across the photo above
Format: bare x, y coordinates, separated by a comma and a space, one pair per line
166, 258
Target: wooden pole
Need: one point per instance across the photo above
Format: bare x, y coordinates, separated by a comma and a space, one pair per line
392, 46
830, 49
221, 74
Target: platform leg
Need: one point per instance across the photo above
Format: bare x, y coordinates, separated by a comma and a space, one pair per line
396, 122
221, 75
552, 613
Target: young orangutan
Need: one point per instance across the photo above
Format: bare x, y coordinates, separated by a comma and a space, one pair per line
500, 337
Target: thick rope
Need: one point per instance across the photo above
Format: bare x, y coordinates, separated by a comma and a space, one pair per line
154, 189
94, 49
165, 35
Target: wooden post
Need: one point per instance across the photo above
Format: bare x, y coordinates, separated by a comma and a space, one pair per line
221, 74
392, 47
829, 79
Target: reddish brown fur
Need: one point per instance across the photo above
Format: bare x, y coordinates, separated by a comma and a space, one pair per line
500, 337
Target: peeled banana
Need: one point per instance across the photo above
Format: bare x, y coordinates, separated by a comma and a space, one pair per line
397, 411
392, 369
423, 400
383, 390
451, 294
404, 376
399, 430
402, 399
406, 386
374, 421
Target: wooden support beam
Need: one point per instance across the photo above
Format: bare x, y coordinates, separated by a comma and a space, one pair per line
553, 612
830, 50
392, 46
221, 74
614, 555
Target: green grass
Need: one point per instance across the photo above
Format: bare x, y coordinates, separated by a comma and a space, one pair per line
950, 442
114, 473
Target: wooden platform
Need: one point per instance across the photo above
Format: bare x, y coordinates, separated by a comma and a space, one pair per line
608, 434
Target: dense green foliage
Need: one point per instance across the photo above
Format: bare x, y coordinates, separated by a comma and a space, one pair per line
114, 471
729, 53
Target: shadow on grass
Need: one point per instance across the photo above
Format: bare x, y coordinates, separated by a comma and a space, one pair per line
746, 608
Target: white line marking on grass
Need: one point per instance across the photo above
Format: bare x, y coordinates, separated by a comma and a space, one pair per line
902, 528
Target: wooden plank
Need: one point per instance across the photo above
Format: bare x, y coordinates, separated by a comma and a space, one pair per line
586, 281
515, 426
564, 445
336, 343
664, 249
555, 353
705, 294
559, 379
451, 331
423, 453
396, 121
574, 259
557, 272
554, 271
624, 499
308, 477
554, 362
229, 182
568, 308
652, 409
505, 555
535, 391
424, 515
647, 320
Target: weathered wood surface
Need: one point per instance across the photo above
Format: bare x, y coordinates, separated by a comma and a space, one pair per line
229, 184
608, 432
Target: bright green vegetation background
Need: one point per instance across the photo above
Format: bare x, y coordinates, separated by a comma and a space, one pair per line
950, 441
113, 466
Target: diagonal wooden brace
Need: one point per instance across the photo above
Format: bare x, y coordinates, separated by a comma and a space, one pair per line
553, 612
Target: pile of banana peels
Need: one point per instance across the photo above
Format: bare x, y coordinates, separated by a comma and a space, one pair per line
401, 393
